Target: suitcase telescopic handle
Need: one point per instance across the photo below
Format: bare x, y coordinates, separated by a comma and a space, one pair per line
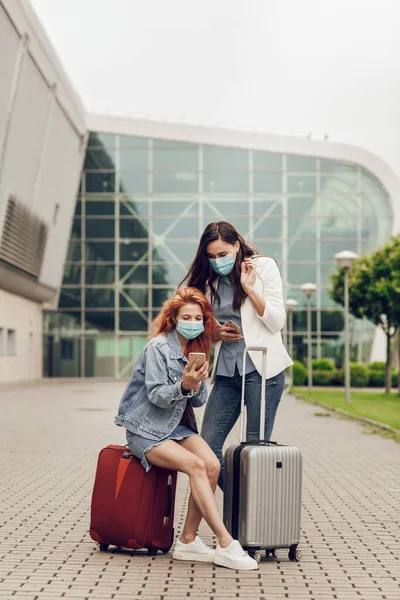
170, 499
264, 351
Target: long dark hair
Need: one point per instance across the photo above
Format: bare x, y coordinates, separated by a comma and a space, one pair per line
200, 275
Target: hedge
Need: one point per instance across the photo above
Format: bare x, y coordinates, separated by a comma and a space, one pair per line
322, 364
299, 373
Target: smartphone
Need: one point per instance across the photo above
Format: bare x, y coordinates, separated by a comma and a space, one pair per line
200, 356
232, 324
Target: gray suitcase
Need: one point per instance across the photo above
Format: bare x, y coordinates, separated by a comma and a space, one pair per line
262, 488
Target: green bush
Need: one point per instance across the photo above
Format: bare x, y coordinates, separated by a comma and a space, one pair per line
338, 378
299, 373
322, 364
358, 375
377, 366
376, 378
323, 377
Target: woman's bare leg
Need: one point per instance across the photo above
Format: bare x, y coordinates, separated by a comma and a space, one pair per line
200, 448
171, 455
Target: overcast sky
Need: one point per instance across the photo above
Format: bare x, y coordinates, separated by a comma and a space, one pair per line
320, 66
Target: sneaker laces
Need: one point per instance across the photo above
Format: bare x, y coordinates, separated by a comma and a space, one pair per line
237, 549
199, 542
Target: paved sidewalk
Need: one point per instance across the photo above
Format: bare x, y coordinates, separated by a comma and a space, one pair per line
50, 438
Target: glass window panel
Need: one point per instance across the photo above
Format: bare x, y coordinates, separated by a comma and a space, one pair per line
78, 208
339, 204
131, 297
179, 182
371, 186
100, 228
301, 205
99, 298
160, 295
295, 293
337, 226
131, 141
132, 182
326, 300
233, 182
100, 274
99, 159
267, 182
100, 182
70, 298
340, 182
132, 159
177, 227
133, 251
168, 273
271, 227
130, 320
301, 163
332, 320
380, 229
100, 252
74, 251
267, 206
302, 228
301, 184
332, 247
302, 273
335, 165
133, 205
170, 144
133, 274
175, 160
76, 228
105, 207
242, 224
228, 205
326, 271
302, 250
220, 159
101, 320
183, 250
169, 206
72, 274
101, 139
267, 161
300, 320
133, 228
269, 248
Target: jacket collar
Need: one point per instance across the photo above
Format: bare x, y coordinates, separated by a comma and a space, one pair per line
175, 345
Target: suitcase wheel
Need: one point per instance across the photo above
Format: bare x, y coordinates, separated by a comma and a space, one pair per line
294, 554
254, 554
103, 547
152, 551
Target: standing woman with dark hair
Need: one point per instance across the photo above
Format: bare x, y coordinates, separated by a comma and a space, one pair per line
245, 291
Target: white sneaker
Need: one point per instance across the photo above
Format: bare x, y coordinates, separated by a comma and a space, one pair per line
234, 557
195, 551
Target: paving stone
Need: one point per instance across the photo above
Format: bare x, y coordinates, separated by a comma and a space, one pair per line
350, 517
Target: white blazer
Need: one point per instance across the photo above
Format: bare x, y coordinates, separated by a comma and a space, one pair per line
264, 330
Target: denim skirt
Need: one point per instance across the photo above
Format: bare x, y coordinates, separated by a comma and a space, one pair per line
139, 445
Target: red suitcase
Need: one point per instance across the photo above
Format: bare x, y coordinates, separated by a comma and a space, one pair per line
132, 508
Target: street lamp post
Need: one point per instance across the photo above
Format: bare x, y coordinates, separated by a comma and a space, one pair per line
290, 306
308, 289
344, 260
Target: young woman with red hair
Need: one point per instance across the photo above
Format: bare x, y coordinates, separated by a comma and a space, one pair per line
157, 411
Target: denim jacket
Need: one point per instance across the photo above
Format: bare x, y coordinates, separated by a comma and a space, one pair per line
153, 404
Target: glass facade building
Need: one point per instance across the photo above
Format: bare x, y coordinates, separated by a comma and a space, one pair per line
142, 206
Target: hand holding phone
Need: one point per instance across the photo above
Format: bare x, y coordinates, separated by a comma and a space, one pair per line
233, 325
199, 356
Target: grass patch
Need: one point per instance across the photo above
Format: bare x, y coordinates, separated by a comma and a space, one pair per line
381, 407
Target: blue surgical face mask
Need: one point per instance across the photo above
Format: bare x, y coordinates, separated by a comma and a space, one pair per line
190, 329
223, 265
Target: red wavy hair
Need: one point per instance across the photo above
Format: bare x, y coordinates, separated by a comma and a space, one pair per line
166, 321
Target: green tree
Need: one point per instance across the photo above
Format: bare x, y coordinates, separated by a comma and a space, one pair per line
374, 292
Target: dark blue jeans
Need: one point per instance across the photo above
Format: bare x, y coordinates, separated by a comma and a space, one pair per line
223, 409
